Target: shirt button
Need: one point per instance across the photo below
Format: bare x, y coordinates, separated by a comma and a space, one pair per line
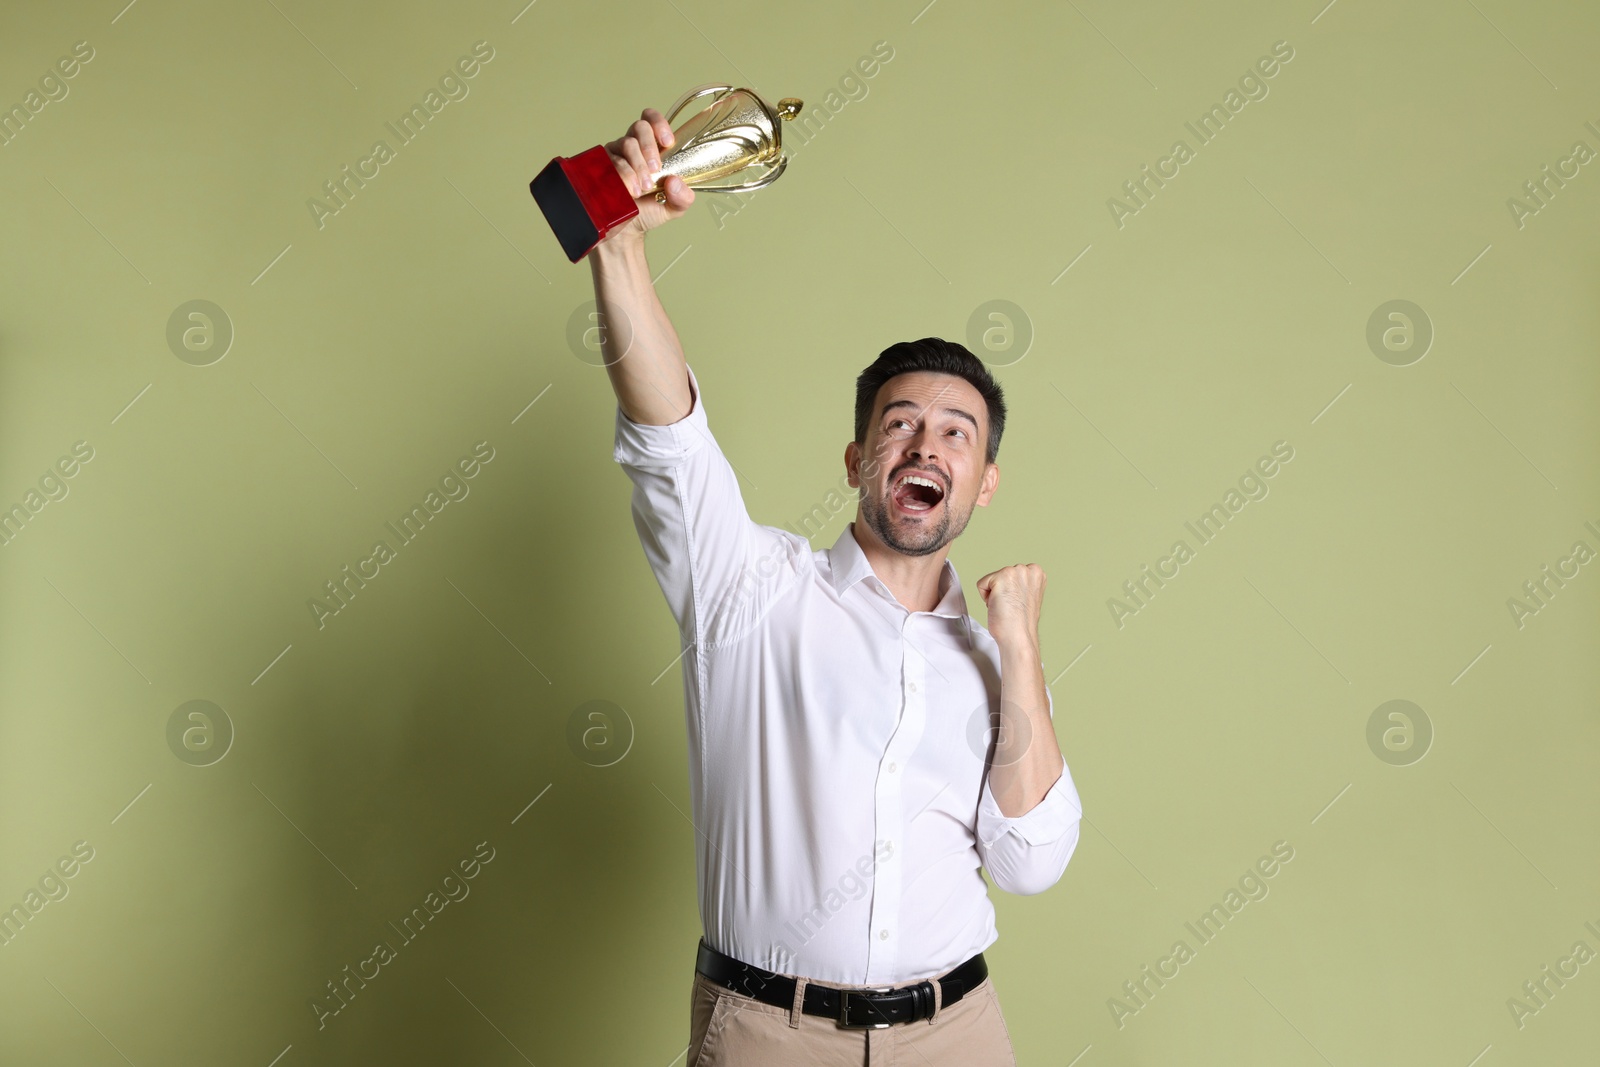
913, 687
893, 767
883, 935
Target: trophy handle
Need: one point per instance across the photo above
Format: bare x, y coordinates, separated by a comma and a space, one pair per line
694, 94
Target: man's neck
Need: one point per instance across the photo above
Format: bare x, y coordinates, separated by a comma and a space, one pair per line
914, 580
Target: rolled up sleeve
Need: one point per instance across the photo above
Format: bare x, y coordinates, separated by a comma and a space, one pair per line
1027, 853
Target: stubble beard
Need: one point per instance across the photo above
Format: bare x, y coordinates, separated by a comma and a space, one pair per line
923, 540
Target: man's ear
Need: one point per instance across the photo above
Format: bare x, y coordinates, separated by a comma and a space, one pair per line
852, 455
991, 481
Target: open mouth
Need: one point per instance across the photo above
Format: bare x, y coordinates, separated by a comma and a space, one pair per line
916, 493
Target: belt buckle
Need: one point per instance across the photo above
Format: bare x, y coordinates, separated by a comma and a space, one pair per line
844, 1008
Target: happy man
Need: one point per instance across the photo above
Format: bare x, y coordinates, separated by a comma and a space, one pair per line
858, 744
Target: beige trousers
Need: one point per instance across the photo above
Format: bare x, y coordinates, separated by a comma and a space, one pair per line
729, 1029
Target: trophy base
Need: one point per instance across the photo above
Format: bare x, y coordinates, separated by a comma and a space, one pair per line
583, 199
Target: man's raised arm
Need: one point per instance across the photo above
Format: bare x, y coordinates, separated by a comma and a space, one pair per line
717, 568
640, 347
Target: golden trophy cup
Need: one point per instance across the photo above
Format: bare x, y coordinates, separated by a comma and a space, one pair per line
732, 143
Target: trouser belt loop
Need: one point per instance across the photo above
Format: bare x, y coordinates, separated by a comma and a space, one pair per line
938, 996
799, 1002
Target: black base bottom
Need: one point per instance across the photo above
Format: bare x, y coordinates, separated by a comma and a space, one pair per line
564, 211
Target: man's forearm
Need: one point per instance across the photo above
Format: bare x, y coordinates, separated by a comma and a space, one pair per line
643, 357
1027, 758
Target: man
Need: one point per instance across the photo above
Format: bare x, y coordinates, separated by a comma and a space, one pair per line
858, 744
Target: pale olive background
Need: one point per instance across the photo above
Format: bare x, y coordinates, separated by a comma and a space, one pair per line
975, 165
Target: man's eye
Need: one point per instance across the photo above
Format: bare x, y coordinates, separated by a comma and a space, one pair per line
960, 431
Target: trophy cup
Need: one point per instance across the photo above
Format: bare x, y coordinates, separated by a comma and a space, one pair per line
584, 198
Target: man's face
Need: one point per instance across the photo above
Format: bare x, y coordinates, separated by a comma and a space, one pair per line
932, 427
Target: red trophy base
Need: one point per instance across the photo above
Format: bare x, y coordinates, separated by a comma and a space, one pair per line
583, 199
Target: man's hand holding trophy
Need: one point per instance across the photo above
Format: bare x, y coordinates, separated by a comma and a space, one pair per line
648, 175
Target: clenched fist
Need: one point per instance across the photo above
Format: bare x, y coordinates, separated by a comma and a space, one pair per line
1014, 596
637, 155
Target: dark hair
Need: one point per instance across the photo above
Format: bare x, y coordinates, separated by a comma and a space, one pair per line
941, 357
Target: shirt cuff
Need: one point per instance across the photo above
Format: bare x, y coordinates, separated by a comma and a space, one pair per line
1056, 813
1047, 821
641, 444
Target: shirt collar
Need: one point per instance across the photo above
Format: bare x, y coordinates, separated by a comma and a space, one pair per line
848, 564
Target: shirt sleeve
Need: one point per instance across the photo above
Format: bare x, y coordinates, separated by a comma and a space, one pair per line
1027, 854
717, 568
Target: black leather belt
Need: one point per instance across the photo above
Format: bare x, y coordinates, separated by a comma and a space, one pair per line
872, 1008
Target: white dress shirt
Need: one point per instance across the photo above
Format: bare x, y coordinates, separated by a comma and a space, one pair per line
837, 742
